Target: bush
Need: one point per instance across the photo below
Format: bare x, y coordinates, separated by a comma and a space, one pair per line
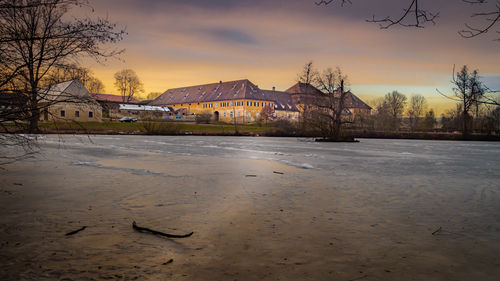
282, 128
203, 118
161, 128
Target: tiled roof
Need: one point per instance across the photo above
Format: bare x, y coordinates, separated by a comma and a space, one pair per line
302, 88
244, 89
282, 100
352, 101
240, 89
113, 98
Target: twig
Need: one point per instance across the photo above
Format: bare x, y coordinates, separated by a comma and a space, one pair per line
437, 231
144, 229
169, 261
251, 176
279, 173
76, 231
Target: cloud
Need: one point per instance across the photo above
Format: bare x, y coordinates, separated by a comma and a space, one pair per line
231, 36
492, 82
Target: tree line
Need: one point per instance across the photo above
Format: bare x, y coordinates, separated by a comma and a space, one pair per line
477, 108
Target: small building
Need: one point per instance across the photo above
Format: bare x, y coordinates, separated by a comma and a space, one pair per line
68, 101
111, 103
143, 112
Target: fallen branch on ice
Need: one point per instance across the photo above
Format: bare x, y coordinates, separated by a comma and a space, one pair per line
75, 231
437, 231
144, 229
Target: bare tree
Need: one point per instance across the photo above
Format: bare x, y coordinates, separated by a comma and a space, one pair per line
417, 15
395, 103
128, 84
467, 89
329, 112
153, 95
308, 74
36, 36
429, 121
416, 109
267, 113
85, 75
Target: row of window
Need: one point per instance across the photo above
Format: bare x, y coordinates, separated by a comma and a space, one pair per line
238, 103
77, 113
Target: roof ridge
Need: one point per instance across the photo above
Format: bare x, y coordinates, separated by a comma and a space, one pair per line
208, 84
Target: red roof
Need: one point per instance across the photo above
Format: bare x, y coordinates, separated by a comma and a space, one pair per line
241, 89
113, 98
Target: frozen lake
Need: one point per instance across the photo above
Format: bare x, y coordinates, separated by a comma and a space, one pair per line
261, 209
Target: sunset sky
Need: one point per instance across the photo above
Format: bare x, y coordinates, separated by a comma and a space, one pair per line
176, 43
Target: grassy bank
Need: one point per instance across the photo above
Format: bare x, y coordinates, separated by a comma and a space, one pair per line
225, 129
150, 128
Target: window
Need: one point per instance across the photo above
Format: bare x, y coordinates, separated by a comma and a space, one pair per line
77, 113
249, 115
231, 103
91, 114
216, 104
63, 113
249, 103
210, 105
224, 114
239, 114
205, 105
231, 114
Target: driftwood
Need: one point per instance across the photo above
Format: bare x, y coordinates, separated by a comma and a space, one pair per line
251, 176
437, 231
279, 173
76, 231
144, 230
169, 261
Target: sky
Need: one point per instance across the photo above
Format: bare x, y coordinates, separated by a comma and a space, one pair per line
177, 43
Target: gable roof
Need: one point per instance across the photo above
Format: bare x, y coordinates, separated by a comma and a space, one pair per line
282, 100
352, 101
303, 88
114, 98
240, 89
70, 91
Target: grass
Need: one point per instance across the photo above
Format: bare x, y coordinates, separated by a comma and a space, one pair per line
150, 128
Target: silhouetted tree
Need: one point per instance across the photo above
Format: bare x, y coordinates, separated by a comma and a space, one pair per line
128, 84
416, 108
416, 15
153, 95
37, 36
329, 114
429, 122
395, 103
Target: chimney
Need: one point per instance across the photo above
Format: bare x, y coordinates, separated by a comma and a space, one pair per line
274, 88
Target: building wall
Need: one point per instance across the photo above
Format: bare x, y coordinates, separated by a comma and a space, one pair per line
72, 112
244, 110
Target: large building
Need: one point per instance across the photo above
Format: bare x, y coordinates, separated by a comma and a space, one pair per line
244, 101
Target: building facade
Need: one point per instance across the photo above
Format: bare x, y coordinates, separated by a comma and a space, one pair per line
225, 101
69, 101
244, 101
